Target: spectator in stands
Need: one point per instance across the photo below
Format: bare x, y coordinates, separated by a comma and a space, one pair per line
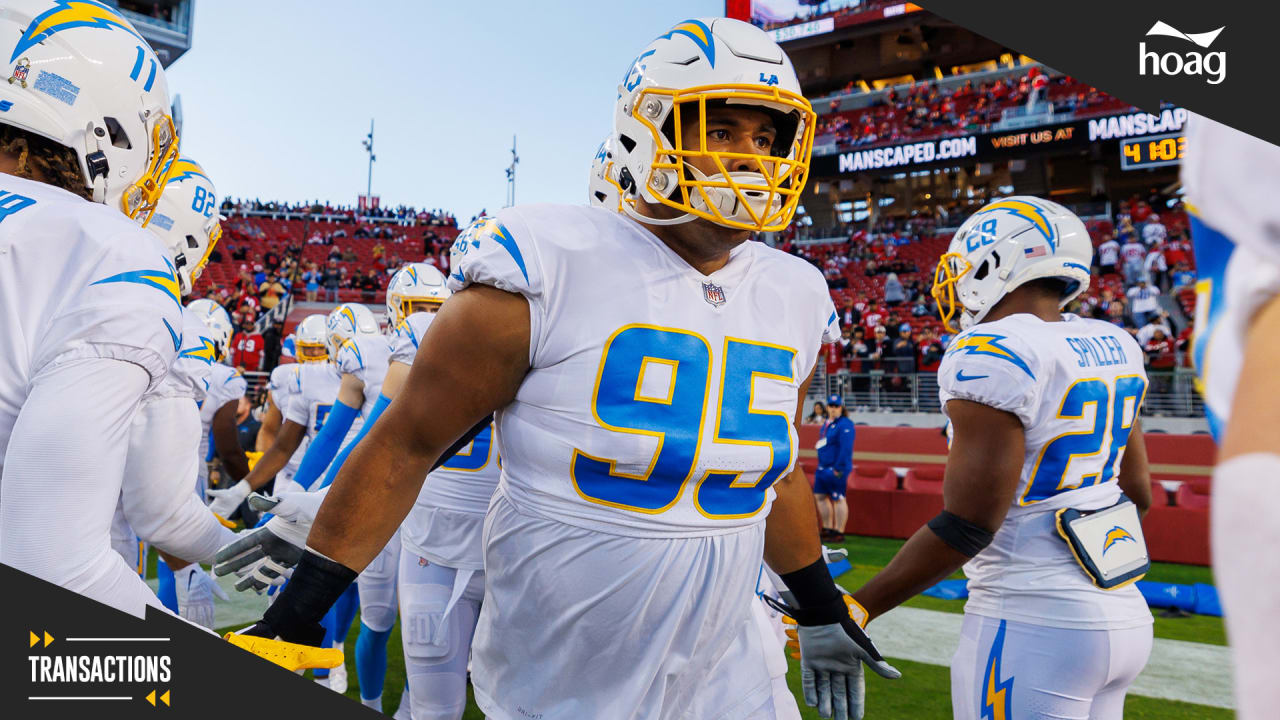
873, 316
850, 315
312, 278
921, 308
835, 462
894, 293
1134, 253
349, 255
1160, 358
1144, 301
818, 414
1182, 276
1158, 321
239, 252
1153, 231
259, 275
248, 348
270, 292
930, 351
901, 354
331, 280
1108, 254
271, 260
1155, 267
370, 283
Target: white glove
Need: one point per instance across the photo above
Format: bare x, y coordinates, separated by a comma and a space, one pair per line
226, 501
196, 591
834, 555
265, 556
283, 486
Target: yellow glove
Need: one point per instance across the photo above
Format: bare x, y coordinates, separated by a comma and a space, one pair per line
224, 522
253, 458
290, 656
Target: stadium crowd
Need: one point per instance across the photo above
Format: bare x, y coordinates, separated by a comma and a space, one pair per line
925, 110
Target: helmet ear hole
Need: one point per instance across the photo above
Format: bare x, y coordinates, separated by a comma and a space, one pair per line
119, 138
981, 272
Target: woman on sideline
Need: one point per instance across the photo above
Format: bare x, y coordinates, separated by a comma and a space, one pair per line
819, 413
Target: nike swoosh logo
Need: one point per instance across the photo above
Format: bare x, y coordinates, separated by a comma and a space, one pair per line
961, 377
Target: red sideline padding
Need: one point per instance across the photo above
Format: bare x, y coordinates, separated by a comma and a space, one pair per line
877, 507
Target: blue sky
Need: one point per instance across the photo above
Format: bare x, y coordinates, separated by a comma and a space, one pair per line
276, 96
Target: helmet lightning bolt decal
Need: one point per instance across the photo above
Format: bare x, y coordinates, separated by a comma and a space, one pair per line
164, 280
67, 14
699, 33
1026, 211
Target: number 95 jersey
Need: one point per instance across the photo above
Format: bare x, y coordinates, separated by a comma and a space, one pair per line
1077, 386
659, 401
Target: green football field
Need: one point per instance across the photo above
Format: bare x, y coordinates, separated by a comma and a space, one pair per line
924, 690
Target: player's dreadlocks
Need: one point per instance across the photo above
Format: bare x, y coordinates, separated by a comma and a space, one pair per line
44, 160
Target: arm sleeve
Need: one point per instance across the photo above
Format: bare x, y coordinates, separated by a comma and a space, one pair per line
325, 445
994, 370
336, 465
62, 479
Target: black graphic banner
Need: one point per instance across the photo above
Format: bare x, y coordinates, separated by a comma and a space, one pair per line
65, 656
1211, 58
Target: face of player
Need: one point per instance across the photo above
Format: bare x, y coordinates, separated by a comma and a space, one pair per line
729, 129
431, 307
311, 353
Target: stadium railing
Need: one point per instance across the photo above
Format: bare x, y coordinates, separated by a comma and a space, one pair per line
1171, 393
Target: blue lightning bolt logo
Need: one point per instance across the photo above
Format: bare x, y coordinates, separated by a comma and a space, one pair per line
988, 345
1029, 212
67, 14
997, 694
164, 280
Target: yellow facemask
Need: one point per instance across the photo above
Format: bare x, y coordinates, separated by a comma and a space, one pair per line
951, 267
782, 178
139, 201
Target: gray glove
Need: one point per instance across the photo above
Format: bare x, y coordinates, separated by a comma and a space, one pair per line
196, 591
831, 674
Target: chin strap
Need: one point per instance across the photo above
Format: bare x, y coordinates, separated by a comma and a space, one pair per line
631, 211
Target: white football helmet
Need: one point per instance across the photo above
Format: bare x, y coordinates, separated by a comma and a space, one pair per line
186, 219
311, 339
214, 317
416, 287
81, 75
289, 347
701, 64
346, 321
603, 189
1003, 246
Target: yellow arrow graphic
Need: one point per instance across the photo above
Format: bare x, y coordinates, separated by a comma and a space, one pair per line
151, 698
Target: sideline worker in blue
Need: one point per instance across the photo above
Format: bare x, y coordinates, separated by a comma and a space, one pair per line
835, 461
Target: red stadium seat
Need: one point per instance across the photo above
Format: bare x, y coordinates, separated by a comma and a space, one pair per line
926, 480
1191, 498
873, 476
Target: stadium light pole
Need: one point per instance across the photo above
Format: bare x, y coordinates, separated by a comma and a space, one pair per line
368, 146
511, 174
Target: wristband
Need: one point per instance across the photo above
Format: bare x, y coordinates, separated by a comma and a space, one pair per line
818, 600
315, 586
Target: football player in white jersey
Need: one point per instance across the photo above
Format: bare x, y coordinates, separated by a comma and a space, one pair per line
606, 194
89, 301
219, 409
308, 345
159, 497
1230, 180
646, 371
1046, 478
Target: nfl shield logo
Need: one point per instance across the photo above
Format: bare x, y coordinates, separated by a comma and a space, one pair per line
20, 72
713, 293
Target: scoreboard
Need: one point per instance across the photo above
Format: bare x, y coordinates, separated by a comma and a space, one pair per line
1152, 151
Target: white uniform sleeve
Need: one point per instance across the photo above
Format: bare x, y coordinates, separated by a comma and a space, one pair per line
501, 252
830, 333
350, 360
992, 369
129, 311
62, 480
226, 387
404, 341
299, 410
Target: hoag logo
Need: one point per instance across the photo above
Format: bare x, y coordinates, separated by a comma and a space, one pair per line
1213, 65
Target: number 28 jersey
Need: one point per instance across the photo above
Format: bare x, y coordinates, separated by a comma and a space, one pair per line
1077, 386
659, 401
